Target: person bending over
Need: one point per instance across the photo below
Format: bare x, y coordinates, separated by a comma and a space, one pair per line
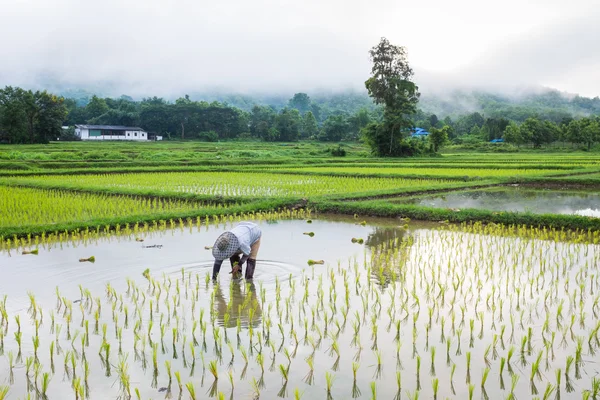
240, 245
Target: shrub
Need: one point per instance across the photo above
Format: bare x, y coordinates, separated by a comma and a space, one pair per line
337, 151
209, 136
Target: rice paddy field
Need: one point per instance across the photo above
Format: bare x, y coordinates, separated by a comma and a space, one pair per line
482, 280
454, 171
230, 184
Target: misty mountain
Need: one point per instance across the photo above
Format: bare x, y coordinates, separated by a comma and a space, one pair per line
547, 104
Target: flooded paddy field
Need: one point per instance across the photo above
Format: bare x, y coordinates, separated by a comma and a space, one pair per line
516, 199
388, 309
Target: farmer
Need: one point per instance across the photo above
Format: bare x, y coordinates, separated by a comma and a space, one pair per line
239, 245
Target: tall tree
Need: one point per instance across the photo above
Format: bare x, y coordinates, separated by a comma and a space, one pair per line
288, 125
96, 107
391, 85
13, 126
358, 121
438, 137
27, 116
49, 117
433, 120
184, 108
300, 101
512, 134
310, 128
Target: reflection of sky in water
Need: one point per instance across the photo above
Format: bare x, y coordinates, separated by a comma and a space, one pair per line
517, 199
284, 252
485, 268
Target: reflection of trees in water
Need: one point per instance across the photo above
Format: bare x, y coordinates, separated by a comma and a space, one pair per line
243, 305
389, 252
382, 235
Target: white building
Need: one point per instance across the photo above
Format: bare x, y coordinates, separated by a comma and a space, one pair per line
110, 132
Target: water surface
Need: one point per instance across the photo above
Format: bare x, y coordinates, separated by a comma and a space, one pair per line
406, 296
516, 199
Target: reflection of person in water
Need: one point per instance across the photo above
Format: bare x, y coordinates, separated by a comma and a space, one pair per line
240, 303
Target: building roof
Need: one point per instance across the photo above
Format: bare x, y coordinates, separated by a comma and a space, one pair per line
419, 132
110, 127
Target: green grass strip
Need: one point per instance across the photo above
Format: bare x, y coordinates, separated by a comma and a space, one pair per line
381, 208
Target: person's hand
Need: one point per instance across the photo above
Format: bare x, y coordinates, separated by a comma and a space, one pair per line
236, 271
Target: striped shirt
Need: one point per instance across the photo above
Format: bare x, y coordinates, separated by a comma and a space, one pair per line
247, 233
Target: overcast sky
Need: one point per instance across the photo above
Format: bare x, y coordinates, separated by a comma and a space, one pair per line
147, 47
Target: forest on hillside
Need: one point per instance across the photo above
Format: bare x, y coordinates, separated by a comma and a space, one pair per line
468, 117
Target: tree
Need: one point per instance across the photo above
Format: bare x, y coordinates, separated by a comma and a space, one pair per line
310, 128
50, 115
156, 116
261, 120
95, 108
13, 127
538, 132
438, 137
27, 116
494, 127
591, 134
584, 131
300, 102
391, 85
433, 120
512, 134
358, 121
288, 125
334, 129
183, 110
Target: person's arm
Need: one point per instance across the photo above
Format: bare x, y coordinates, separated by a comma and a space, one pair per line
243, 259
216, 268
245, 249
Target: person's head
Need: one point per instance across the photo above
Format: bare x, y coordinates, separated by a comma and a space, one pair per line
225, 246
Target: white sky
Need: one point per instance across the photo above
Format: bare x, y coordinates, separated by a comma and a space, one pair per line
147, 47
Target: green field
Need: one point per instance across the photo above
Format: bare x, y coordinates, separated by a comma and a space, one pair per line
31, 207
78, 184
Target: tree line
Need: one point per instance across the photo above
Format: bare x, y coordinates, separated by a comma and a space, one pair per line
533, 131
37, 117
30, 117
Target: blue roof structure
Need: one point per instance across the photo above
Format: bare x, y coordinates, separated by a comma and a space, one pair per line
419, 132
497, 141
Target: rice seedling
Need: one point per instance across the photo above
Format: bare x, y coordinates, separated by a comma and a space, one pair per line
212, 368
471, 391
191, 390
18, 337
178, 378
329, 379
432, 369
513, 385
11, 366
413, 395
255, 388
468, 379
124, 377
511, 351
45, 384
